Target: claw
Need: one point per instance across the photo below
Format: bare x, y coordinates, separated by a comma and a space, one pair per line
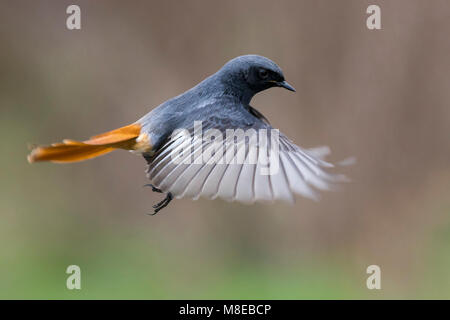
154, 189
162, 204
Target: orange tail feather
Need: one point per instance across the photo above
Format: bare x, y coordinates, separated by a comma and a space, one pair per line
128, 138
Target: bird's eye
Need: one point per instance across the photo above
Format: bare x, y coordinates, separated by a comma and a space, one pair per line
263, 74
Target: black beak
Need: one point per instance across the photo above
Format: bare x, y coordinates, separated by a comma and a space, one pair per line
285, 85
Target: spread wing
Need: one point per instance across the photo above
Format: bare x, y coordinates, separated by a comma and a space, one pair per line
234, 159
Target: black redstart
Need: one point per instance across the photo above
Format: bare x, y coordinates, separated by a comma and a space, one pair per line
210, 142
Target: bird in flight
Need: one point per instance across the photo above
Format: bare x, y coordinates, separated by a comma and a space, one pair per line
210, 142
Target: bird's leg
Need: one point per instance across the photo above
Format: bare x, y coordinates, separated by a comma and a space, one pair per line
162, 204
154, 189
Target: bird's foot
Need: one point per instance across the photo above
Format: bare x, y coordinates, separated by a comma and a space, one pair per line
162, 204
154, 189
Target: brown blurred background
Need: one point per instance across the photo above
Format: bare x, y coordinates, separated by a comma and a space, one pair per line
379, 95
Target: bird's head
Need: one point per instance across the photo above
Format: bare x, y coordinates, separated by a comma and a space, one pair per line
250, 74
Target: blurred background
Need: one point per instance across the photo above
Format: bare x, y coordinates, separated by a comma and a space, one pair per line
379, 95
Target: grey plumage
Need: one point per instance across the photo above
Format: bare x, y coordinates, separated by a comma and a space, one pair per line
222, 101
